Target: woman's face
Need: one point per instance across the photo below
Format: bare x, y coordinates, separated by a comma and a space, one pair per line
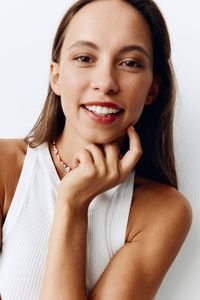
105, 73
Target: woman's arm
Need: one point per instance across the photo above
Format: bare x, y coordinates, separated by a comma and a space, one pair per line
66, 264
138, 268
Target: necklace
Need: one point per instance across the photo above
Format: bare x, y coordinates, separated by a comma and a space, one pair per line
65, 166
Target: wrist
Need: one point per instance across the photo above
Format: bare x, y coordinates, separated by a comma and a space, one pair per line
70, 205
67, 219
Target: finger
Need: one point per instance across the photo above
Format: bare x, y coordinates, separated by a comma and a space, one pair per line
132, 156
113, 156
98, 157
83, 157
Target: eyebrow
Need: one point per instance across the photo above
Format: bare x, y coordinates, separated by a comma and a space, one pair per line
123, 50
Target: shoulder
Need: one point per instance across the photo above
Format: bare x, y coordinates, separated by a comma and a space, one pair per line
12, 153
11, 148
12, 145
156, 205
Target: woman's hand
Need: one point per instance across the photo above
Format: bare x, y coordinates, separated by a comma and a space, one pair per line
96, 171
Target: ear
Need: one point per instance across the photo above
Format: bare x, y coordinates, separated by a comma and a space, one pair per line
153, 92
54, 77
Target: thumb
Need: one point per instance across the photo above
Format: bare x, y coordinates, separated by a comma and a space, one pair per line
134, 153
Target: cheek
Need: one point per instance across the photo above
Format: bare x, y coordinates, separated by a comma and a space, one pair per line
137, 88
135, 112
72, 85
136, 92
69, 81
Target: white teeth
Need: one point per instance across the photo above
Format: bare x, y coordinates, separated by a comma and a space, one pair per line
102, 110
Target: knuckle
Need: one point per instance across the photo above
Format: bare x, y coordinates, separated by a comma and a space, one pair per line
89, 172
138, 151
114, 176
102, 172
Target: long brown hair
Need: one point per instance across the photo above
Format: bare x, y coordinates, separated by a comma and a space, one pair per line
155, 126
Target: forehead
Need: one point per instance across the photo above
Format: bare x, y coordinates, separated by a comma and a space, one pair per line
109, 23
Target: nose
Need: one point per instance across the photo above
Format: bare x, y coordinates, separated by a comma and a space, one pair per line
104, 80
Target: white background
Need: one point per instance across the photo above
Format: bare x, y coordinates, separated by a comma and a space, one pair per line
26, 34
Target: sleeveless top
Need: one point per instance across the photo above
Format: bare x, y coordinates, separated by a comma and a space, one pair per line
28, 224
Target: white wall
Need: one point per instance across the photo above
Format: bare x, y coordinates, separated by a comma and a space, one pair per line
26, 34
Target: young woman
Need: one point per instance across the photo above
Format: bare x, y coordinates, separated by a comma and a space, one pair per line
90, 207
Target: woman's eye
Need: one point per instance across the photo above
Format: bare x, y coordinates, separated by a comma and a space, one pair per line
132, 64
83, 58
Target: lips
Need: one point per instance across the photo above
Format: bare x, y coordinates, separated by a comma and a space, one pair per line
103, 112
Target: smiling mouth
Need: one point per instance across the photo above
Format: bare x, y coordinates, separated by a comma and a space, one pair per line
102, 110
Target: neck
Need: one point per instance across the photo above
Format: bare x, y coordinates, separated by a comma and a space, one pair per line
69, 143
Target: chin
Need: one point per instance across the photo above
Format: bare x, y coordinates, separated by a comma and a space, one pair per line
103, 138
99, 140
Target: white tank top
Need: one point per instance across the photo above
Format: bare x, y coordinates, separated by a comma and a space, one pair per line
28, 224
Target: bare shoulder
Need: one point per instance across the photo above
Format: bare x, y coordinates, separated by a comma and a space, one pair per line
12, 153
9, 146
156, 205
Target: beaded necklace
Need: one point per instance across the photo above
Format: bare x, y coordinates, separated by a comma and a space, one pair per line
65, 166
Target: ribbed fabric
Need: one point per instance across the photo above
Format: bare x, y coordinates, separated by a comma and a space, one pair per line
28, 224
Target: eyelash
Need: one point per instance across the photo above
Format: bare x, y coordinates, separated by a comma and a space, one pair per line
130, 60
